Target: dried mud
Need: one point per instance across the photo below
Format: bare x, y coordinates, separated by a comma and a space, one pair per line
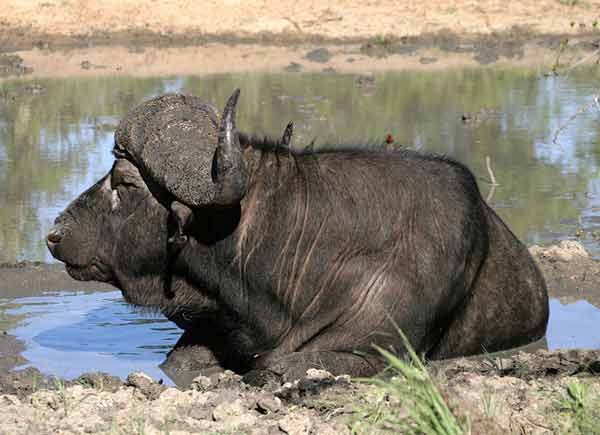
69, 23
51, 39
422, 52
492, 399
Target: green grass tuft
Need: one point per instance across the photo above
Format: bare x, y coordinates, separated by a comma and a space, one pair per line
406, 401
578, 410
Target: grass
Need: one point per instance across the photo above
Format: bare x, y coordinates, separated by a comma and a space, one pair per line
490, 405
382, 40
61, 391
578, 410
135, 426
406, 401
139, 425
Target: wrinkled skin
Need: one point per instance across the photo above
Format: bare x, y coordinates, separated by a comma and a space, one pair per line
306, 260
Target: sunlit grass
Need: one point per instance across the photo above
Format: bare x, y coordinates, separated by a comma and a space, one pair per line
578, 409
406, 401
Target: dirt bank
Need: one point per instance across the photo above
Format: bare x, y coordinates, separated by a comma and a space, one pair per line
494, 396
73, 38
570, 272
428, 52
79, 22
33, 278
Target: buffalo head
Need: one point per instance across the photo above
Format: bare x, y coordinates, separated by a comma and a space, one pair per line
173, 154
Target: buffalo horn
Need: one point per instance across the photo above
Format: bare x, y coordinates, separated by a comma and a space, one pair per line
229, 171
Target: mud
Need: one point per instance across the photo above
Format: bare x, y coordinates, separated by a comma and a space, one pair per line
570, 272
12, 65
493, 402
72, 38
525, 365
33, 278
423, 52
10, 352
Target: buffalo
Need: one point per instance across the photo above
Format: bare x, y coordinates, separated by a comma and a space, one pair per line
281, 260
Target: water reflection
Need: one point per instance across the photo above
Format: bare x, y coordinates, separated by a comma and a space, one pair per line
56, 142
101, 333
573, 325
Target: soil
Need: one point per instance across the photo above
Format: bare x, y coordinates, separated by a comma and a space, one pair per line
514, 391
10, 353
28, 278
71, 21
495, 400
570, 272
51, 38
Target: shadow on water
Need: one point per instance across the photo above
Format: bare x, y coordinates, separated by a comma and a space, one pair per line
56, 137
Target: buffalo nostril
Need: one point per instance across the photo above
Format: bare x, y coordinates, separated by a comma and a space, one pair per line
55, 236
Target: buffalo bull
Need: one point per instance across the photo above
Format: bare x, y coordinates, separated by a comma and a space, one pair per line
286, 260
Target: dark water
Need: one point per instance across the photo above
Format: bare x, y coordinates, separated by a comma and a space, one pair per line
56, 137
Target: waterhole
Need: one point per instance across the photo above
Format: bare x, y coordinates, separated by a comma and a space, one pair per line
56, 137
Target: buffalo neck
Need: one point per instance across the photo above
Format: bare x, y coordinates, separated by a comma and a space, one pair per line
233, 253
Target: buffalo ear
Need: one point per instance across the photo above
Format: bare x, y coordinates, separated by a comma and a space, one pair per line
183, 218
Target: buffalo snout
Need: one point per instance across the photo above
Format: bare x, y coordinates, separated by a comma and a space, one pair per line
54, 239
66, 246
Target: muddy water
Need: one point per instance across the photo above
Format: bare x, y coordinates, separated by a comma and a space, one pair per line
56, 136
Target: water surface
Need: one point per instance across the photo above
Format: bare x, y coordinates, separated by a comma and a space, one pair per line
70, 333
56, 137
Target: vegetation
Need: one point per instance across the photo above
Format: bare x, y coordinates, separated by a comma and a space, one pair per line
569, 2
407, 402
61, 391
578, 410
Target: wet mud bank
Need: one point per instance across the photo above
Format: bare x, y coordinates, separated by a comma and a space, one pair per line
526, 392
570, 271
34, 278
422, 52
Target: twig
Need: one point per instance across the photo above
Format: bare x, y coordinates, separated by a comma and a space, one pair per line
489, 169
561, 49
581, 110
534, 423
491, 193
585, 59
